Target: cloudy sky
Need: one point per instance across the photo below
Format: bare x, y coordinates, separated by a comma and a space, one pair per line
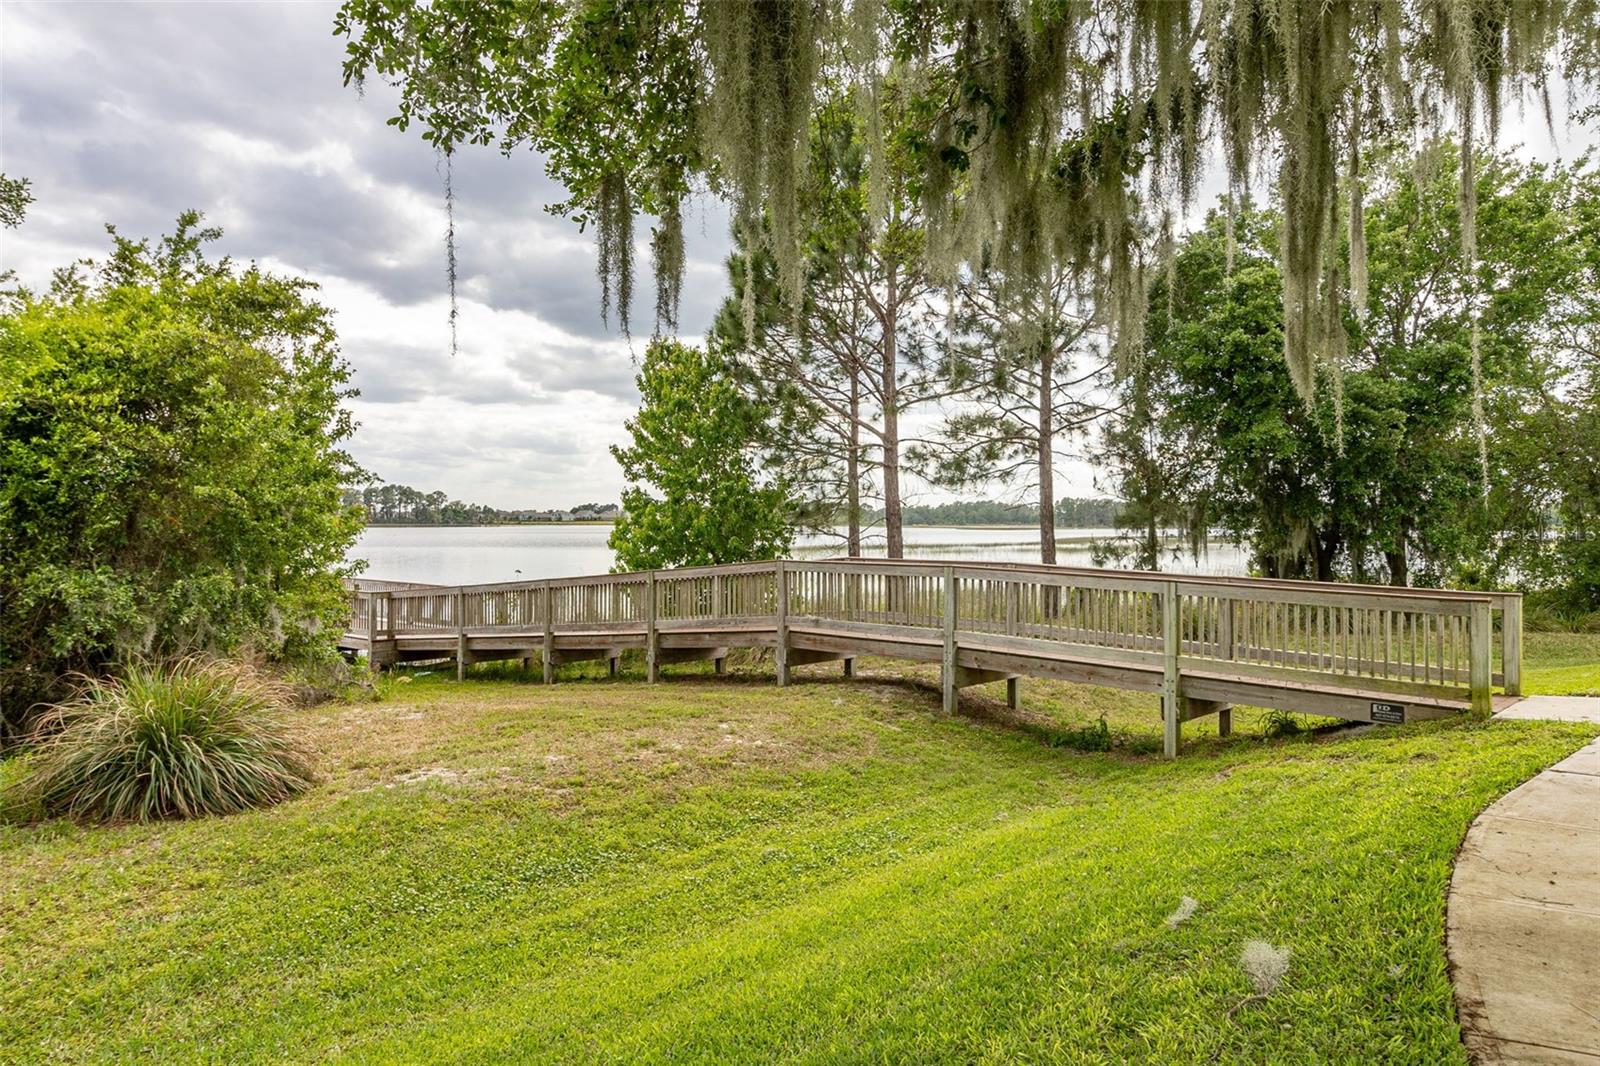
129, 114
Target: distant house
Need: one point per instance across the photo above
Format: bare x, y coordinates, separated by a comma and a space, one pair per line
609, 512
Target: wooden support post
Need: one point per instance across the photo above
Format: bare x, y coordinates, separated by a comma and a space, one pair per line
948, 673
1171, 705
1225, 627
1014, 693
1225, 722
652, 640
849, 666
611, 665
1511, 644
720, 664
372, 632
1480, 663
549, 637
461, 635
780, 649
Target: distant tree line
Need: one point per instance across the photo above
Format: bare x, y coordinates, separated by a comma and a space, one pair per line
1070, 512
402, 505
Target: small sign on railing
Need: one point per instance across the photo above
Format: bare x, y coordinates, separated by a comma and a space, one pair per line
1389, 713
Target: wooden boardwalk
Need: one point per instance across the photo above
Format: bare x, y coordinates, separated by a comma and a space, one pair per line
1368, 653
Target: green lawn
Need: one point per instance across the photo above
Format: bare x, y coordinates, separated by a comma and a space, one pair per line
1562, 664
716, 870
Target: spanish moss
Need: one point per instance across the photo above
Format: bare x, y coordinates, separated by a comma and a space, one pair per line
614, 247
1358, 226
450, 244
667, 258
1036, 135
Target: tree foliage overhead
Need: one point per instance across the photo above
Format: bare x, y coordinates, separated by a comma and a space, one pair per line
15, 197
1037, 129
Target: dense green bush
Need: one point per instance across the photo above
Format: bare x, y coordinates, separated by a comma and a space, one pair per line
1558, 611
194, 738
171, 459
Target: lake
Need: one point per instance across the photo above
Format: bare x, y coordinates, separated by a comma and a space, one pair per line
468, 555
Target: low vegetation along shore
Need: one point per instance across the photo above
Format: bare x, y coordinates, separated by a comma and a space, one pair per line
714, 869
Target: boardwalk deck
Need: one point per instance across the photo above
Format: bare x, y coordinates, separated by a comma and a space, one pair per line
1202, 644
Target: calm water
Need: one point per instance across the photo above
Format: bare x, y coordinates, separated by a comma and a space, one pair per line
466, 555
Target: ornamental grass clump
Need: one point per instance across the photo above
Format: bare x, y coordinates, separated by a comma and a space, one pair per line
178, 740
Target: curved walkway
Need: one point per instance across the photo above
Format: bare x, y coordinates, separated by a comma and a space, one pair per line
1524, 913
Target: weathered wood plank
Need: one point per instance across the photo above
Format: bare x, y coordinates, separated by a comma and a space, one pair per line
947, 673
780, 650
1171, 711
652, 642
1511, 645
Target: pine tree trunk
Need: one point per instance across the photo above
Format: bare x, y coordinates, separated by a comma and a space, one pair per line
891, 418
853, 468
1047, 476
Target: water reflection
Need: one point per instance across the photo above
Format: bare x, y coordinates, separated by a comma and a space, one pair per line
464, 555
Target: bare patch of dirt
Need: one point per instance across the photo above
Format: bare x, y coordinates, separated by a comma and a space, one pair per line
562, 742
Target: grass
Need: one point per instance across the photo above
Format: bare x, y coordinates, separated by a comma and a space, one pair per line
1561, 664
717, 870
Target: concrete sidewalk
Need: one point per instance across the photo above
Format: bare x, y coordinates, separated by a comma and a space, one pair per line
1524, 911
1553, 709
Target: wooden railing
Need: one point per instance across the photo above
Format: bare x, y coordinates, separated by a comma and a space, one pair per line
1376, 639
1506, 606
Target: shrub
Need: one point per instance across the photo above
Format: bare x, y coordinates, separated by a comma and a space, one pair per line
1547, 611
317, 674
172, 438
1096, 736
193, 738
1279, 723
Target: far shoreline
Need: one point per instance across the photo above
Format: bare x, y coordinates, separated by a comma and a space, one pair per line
1032, 526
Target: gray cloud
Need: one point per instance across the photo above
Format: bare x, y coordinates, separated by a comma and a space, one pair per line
118, 122
564, 367
131, 113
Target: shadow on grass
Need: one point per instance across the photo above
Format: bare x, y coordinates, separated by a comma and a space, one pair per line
1120, 733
